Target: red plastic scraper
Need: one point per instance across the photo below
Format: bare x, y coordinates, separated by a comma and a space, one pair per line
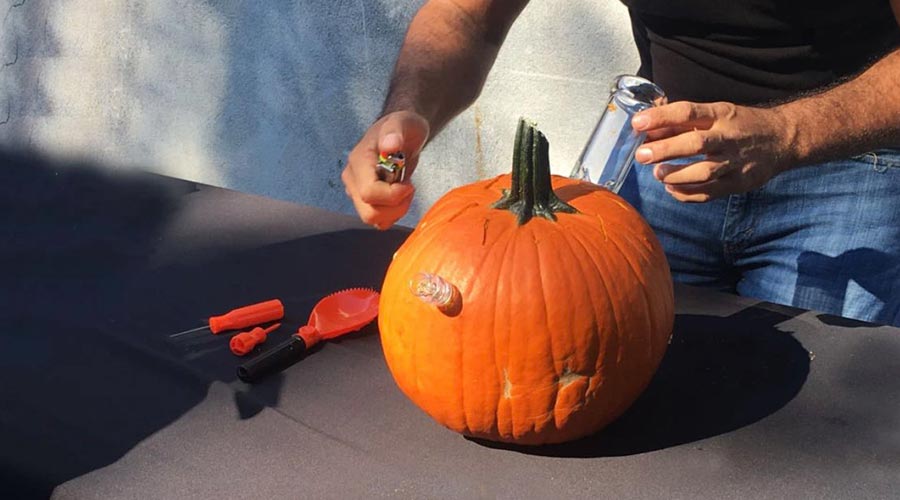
339, 313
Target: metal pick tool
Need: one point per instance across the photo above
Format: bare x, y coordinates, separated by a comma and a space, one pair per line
392, 167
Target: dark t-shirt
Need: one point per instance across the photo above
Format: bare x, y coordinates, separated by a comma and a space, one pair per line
757, 51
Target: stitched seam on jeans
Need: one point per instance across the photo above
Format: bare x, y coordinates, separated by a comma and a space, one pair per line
725, 242
876, 160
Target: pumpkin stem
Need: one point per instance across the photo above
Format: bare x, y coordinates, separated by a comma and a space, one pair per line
531, 193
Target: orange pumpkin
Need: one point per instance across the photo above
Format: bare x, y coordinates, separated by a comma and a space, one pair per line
561, 305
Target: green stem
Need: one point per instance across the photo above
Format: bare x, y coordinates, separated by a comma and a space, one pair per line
531, 193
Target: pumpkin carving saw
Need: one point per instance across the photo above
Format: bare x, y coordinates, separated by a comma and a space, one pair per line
560, 305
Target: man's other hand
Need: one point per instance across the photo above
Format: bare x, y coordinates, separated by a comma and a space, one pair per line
737, 148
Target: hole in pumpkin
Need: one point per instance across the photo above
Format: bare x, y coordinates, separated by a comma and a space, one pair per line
436, 291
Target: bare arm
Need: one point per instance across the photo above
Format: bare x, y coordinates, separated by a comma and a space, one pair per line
858, 116
449, 48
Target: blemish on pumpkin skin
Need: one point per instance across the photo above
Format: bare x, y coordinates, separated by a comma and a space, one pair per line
603, 228
569, 377
461, 210
507, 385
617, 202
484, 231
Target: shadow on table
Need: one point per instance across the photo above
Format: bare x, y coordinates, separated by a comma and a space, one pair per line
71, 399
823, 284
88, 372
718, 375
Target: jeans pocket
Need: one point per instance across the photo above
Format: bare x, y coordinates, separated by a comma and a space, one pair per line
881, 159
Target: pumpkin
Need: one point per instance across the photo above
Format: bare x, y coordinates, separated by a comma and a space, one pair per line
557, 305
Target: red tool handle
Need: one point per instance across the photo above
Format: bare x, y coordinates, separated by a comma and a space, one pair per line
309, 334
244, 342
255, 314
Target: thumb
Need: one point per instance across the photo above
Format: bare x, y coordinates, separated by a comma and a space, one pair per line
403, 131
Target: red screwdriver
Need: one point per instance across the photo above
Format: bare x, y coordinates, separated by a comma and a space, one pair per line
242, 317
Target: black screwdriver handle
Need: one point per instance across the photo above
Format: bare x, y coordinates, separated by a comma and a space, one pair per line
282, 356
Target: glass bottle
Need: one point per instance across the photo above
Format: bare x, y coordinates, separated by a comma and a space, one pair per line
607, 157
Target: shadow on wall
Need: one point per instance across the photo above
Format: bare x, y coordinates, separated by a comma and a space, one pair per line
238, 94
718, 375
319, 68
824, 284
268, 97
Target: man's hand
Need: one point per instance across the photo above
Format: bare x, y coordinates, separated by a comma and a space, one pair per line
739, 148
377, 202
446, 55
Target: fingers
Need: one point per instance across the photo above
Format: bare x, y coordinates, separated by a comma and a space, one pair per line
695, 142
665, 133
380, 203
402, 131
728, 181
703, 191
680, 114
362, 175
690, 193
724, 149
382, 216
699, 182
701, 171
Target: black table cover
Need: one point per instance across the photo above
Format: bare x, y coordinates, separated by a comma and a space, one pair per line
96, 401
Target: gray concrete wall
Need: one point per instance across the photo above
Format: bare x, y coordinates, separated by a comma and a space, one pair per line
268, 97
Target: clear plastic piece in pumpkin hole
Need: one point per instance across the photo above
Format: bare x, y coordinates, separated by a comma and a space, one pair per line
433, 290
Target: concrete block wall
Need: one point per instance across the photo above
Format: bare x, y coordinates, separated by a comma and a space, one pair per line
268, 97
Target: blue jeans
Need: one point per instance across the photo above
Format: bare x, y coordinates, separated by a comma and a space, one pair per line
824, 237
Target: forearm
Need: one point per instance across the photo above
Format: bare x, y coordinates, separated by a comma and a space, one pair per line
860, 115
449, 49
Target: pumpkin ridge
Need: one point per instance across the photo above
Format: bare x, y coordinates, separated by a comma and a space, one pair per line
642, 251
579, 232
570, 339
596, 340
539, 271
573, 366
613, 338
462, 372
649, 311
503, 365
500, 367
647, 303
517, 343
508, 332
